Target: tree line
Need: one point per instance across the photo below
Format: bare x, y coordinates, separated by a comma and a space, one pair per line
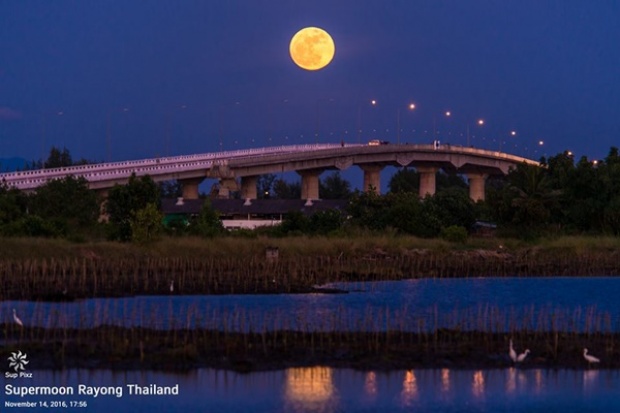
559, 197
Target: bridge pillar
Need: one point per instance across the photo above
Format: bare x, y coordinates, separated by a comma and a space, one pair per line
310, 183
102, 194
227, 185
190, 187
427, 180
248, 187
372, 178
476, 186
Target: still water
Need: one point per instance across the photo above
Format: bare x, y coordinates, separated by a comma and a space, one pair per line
322, 389
489, 304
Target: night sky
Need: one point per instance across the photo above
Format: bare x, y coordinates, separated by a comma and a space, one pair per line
177, 77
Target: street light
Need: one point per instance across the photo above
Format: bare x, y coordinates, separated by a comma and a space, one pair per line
410, 106
480, 122
109, 130
447, 114
540, 144
359, 117
512, 133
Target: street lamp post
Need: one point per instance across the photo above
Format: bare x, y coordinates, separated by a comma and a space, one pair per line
411, 106
480, 122
359, 118
447, 114
512, 133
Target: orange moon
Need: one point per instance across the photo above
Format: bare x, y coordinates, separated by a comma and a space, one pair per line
312, 48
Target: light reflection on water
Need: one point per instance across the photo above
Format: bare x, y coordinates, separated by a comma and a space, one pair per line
327, 390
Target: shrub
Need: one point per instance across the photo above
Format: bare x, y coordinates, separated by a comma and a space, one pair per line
454, 233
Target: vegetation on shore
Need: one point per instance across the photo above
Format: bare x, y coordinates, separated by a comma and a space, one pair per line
43, 269
137, 348
560, 197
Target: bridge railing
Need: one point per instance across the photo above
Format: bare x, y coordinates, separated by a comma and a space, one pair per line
113, 170
185, 163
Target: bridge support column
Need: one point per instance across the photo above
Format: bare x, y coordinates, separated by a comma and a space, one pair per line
248, 187
476, 186
310, 183
190, 187
102, 194
427, 180
372, 178
227, 185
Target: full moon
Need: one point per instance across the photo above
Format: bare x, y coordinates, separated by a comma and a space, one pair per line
312, 48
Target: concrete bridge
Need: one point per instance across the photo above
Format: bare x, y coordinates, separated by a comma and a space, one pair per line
239, 170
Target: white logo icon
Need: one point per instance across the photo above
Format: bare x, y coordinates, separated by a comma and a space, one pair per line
18, 361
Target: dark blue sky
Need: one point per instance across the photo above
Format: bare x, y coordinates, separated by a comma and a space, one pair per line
548, 69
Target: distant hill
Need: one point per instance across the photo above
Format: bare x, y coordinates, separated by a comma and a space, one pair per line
12, 164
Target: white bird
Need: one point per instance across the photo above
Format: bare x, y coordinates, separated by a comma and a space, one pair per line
171, 286
17, 319
512, 353
589, 358
523, 355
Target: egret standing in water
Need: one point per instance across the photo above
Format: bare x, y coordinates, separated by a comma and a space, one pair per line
512, 353
589, 358
17, 320
523, 355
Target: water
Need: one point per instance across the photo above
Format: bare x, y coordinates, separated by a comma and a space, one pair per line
326, 390
489, 304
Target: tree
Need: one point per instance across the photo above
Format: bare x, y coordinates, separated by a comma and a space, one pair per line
409, 214
408, 180
405, 180
13, 204
524, 205
265, 186
208, 223
285, 190
124, 201
367, 210
448, 179
293, 222
58, 158
146, 224
455, 208
68, 200
170, 189
324, 222
335, 187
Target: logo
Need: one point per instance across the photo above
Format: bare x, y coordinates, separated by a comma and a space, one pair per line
18, 362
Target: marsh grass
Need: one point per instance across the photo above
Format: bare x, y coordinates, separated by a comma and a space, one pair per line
34, 269
115, 347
